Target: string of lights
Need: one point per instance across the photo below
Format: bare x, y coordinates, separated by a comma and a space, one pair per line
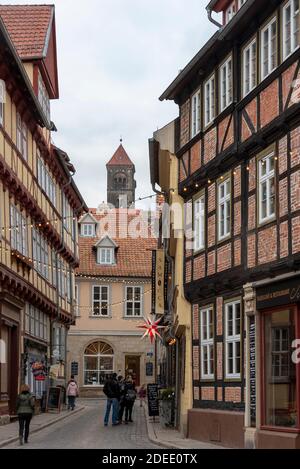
55, 220
109, 305
209, 181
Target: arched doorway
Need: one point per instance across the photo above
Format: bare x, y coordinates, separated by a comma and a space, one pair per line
98, 363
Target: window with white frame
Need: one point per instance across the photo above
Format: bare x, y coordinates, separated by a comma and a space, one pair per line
2, 101
266, 170
233, 339
226, 84
106, 256
100, 300
268, 39
62, 277
230, 12
249, 67
133, 306
224, 208
196, 114
209, 100
45, 180
54, 268
68, 214
207, 344
43, 97
22, 143
18, 231
199, 223
241, 3
87, 230
40, 254
290, 21
36, 323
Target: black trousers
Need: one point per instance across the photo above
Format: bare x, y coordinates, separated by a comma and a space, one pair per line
128, 410
24, 422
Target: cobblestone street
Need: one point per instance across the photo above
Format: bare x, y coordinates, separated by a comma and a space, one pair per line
86, 431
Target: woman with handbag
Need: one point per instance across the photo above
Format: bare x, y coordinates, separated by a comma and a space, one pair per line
130, 397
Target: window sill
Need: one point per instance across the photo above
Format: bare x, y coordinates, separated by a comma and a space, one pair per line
99, 317
266, 221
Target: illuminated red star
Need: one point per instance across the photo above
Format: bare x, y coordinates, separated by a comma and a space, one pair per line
151, 329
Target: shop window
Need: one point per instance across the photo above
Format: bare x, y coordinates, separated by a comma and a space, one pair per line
98, 363
280, 373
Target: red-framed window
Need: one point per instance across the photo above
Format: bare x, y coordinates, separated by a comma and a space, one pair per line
280, 410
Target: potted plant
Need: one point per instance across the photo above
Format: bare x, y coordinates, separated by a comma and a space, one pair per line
167, 407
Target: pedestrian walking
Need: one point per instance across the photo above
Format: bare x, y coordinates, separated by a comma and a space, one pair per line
130, 397
25, 410
142, 394
72, 393
112, 391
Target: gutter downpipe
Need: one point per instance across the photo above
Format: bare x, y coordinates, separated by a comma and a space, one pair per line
209, 14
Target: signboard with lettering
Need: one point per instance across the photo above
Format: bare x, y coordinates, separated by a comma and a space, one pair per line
252, 371
74, 368
278, 294
149, 369
153, 403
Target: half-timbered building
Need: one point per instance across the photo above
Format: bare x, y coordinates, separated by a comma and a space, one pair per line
39, 207
238, 149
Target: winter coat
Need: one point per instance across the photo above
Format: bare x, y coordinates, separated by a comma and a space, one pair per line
72, 389
25, 403
111, 389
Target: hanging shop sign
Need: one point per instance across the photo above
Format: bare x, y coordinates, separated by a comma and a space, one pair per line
39, 371
278, 294
160, 282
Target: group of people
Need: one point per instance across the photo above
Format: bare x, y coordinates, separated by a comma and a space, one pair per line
121, 394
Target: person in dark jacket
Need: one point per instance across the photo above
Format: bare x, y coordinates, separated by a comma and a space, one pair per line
25, 410
112, 391
129, 398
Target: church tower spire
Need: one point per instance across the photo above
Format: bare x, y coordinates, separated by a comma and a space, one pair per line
121, 184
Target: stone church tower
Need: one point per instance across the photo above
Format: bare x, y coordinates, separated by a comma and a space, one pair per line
121, 184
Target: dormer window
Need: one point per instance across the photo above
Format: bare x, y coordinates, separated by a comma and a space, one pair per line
87, 230
106, 256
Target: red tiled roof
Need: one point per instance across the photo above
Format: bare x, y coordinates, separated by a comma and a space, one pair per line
133, 256
28, 27
120, 158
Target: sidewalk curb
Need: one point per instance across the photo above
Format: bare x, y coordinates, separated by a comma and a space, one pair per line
152, 436
43, 426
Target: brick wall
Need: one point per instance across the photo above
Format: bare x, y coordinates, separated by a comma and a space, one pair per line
199, 267
210, 145
224, 257
195, 157
269, 104
267, 245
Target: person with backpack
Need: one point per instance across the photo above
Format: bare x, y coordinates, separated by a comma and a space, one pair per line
72, 393
129, 398
112, 391
25, 411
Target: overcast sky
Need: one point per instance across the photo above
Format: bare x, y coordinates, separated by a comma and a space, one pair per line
115, 58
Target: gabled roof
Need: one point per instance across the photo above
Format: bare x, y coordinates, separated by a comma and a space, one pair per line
17, 67
120, 158
88, 218
107, 242
134, 256
29, 27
